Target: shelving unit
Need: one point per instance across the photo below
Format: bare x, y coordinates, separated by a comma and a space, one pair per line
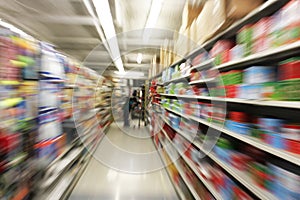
177, 188
238, 175
194, 168
76, 156
293, 158
182, 173
272, 55
282, 104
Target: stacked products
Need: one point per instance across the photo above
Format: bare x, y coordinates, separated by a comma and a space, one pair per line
18, 113
40, 89
273, 131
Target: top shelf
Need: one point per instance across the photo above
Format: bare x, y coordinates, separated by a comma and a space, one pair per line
264, 10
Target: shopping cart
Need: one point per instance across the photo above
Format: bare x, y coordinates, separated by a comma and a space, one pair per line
136, 115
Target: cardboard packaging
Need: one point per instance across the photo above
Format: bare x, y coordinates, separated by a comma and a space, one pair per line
217, 15
237, 9
211, 20
190, 12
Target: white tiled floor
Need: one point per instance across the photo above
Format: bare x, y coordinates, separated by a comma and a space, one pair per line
125, 166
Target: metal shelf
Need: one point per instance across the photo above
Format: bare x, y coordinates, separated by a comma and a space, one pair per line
194, 168
176, 79
271, 54
202, 65
177, 188
293, 158
202, 81
271, 103
182, 174
242, 177
264, 10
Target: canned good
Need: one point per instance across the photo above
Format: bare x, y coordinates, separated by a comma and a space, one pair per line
291, 132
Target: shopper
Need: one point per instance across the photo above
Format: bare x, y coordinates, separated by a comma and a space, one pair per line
126, 111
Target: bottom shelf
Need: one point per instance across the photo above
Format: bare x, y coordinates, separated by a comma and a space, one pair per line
68, 181
177, 188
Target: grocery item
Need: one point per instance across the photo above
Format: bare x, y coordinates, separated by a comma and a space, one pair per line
237, 127
261, 31
240, 160
238, 116
236, 52
270, 124
245, 38
289, 69
291, 131
285, 184
221, 51
202, 57
222, 149
259, 74
260, 174
268, 90
288, 90
233, 77
232, 91
250, 91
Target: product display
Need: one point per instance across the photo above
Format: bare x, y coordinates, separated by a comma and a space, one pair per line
41, 89
202, 97
244, 87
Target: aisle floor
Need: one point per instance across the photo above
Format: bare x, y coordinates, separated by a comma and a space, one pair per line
125, 166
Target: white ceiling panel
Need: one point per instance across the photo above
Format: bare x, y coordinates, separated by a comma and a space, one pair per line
68, 25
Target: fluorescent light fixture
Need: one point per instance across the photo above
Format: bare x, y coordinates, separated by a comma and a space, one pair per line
152, 17
139, 58
119, 65
96, 23
130, 74
106, 21
154, 13
118, 10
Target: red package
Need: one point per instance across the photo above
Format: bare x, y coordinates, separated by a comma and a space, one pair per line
293, 146
226, 56
220, 47
262, 28
290, 69
240, 194
240, 117
231, 91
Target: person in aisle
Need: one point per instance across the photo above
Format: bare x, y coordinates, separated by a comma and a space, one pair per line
134, 104
126, 111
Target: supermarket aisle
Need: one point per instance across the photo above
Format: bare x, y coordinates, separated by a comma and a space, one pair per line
102, 182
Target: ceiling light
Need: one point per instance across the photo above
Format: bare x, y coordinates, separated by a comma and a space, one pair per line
139, 58
152, 17
154, 13
106, 21
96, 23
130, 73
118, 9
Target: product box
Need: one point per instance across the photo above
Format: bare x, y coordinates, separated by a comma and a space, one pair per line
245, 38
289, 69
288, 90
236, 9
216, 10
268, 90
191, 11
270, 124
259, 74
250, 91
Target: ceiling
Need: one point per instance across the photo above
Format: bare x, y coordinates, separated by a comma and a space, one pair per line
69, 26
